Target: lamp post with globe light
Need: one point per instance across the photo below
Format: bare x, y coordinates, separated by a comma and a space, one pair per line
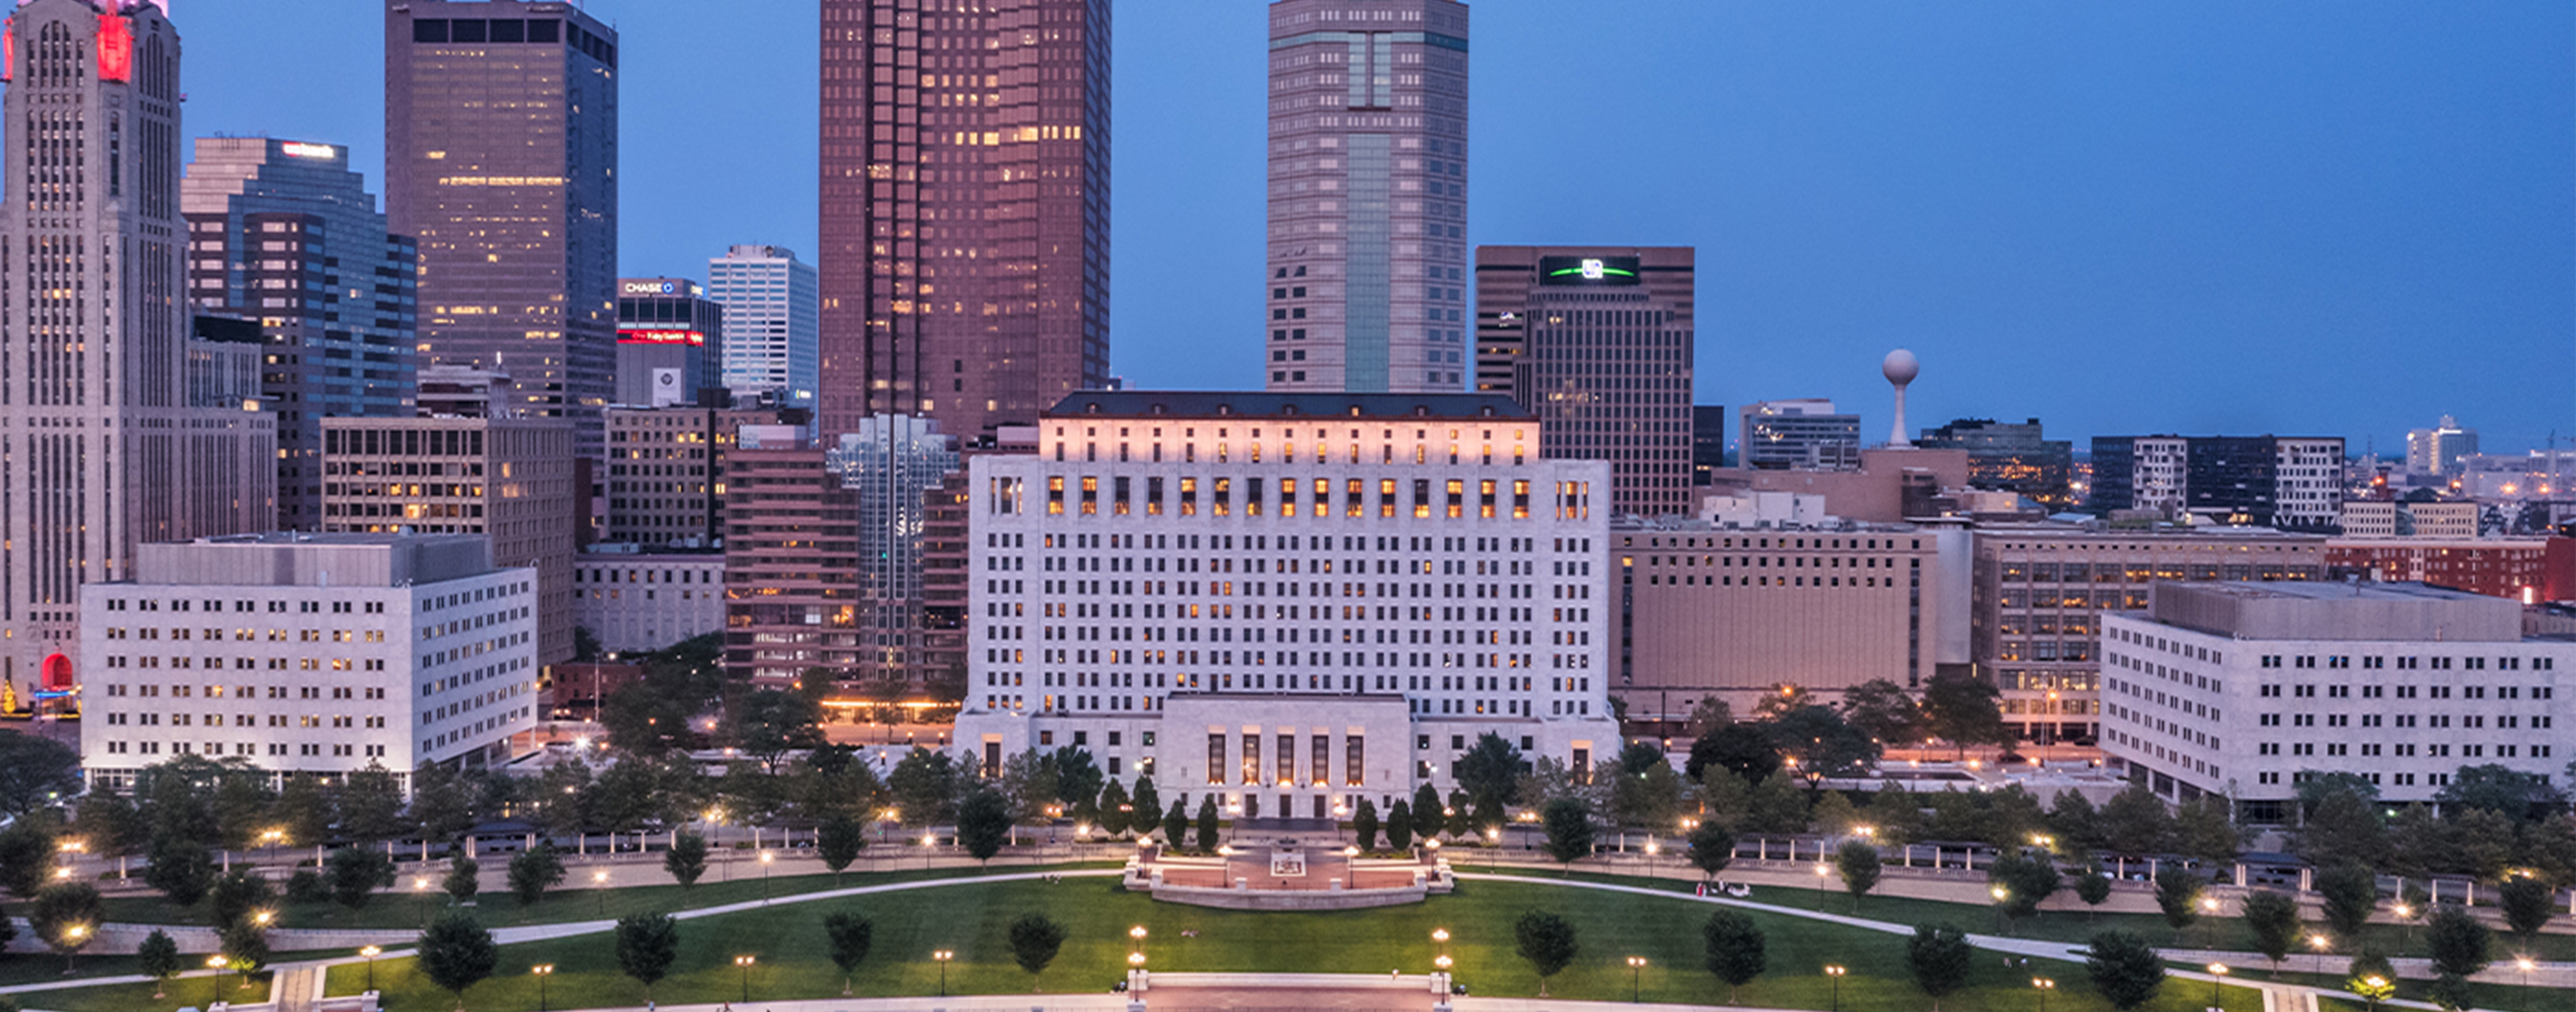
1636, 972
2043, 985
2217, 972
217, 964
745, 963
1835, 973
543, 971
371, 952
942, 957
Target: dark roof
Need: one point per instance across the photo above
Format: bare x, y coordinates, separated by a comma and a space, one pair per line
1264, 405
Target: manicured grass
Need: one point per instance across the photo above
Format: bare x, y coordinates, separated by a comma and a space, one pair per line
971, 920
500, 909
184, 992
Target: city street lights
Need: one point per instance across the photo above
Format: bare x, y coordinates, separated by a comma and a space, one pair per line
1821, 872
2378, 988
765, 860
2043, 985
942, 957
745, 963
371, 952
79, 933
544, 971
1136, 939
2405, 924
2000, 894
2524, 964
599, 885
216, 963
2217, 972
1636, 972
2209, 912
2318, 944
1836, 973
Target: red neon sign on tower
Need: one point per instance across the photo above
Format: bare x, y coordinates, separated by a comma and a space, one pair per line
115, 48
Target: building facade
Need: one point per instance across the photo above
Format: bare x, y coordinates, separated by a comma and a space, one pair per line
1708, 442
666, 472
670, 343
897, 465
1366, 273
792, 601
2042, 592
2394, 518
102, 448
2244, 691
965, 210
2289, 482
1187, 578
773, 323
308, 655
504, 478
1805, 434
2439, 450
2011, 457
642, 601
2528, 570
500, 159
283, 234
1706, 610
1598, 342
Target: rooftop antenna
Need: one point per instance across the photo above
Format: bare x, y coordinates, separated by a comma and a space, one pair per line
1900, 368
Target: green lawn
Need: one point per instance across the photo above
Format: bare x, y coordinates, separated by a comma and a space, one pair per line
971, 920
500, 909
138, 997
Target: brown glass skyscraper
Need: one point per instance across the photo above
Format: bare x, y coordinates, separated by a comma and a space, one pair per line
1598, 342
500, 157
965, 209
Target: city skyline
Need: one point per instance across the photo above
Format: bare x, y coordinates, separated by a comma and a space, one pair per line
1882, 178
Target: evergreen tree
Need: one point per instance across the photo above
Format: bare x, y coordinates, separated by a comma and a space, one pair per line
1733, 950
1207, 827
1364, 824
850, 936
1939, 957
158, 958
1399, 826
687, 859
456, 953
1035, 939
1547, 941
647, 944
464, 879
2126, 971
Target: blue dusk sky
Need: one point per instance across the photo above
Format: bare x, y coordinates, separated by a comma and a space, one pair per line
2327, 217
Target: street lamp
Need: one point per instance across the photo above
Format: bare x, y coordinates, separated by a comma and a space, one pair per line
78, 933
2524, 964
1821, 872
544, 971
1836, 973
216, 963
2217, 972
2044, 986
745, 963
1137, 934
2000, 894
2318, 943
2405, 926
2379, 988
765, 859
1636, 970
2209, 908
371, 952
941, 957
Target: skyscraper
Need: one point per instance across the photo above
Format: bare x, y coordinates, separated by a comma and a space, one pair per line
101, 448
770, 322
500, 158
965, 209
1597, 342
1368, 196
282, 233
670, 343
896, 465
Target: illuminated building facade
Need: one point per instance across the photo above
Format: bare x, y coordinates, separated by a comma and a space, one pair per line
792, 596
670, 343
1596, 341
897, 465
501, 160
965, 209
772, 322
1366, 276
2011, 457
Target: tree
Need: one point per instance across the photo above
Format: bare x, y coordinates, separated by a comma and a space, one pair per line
1034, 941
370, 803
1743, 749
2093, 888
1881, 709
244, 948
924, 788
1650, 796
1364, 824
646, 946
983, 823
1858, 862
2527, 903
66, 917
1778, 805
1938, 956
1834, 815
535, 870
302, 811
2136, 822
1077, 777
2342, 822
180, 869
1547, 941
1399, 826
1490, 770
238, 895
2496, 788
26, 857
1028, 779
850, 936
2368, 966
1712, 848
2178, 896
1734, 950
1569, 829
838, 839
769, 723
1176, 825
2451, 992
2272, 921
109, 825
1790, 696
2027, 878
158, 958
2075, 823
1963, 710
2126, 970
687, 859
305, 886
1428, 819
357, 872
464, 879
1897, 815
2351, 893
2457, 941
1725, 798
442, 803
455, 953
1114, 808
2203, 830
1818, 742
1207, 827
1149, 806
35, 772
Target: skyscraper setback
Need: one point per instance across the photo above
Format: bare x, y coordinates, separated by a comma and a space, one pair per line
965, 209
1368, 196
101, 446
500, 158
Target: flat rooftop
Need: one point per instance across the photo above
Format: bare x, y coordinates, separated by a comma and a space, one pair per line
2372, 612
1257, 404
299, 559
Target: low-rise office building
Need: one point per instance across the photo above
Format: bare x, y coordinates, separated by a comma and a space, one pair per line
638, 601
2528, 570
308, 654
2391, 518
2244, 690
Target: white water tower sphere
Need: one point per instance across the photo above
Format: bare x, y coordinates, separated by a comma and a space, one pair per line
1900, 368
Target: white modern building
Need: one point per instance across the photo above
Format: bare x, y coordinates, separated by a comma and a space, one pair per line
772, 322
1295, 600
2243, 690
308, 654
2388, 518
641, 600
2307, 483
